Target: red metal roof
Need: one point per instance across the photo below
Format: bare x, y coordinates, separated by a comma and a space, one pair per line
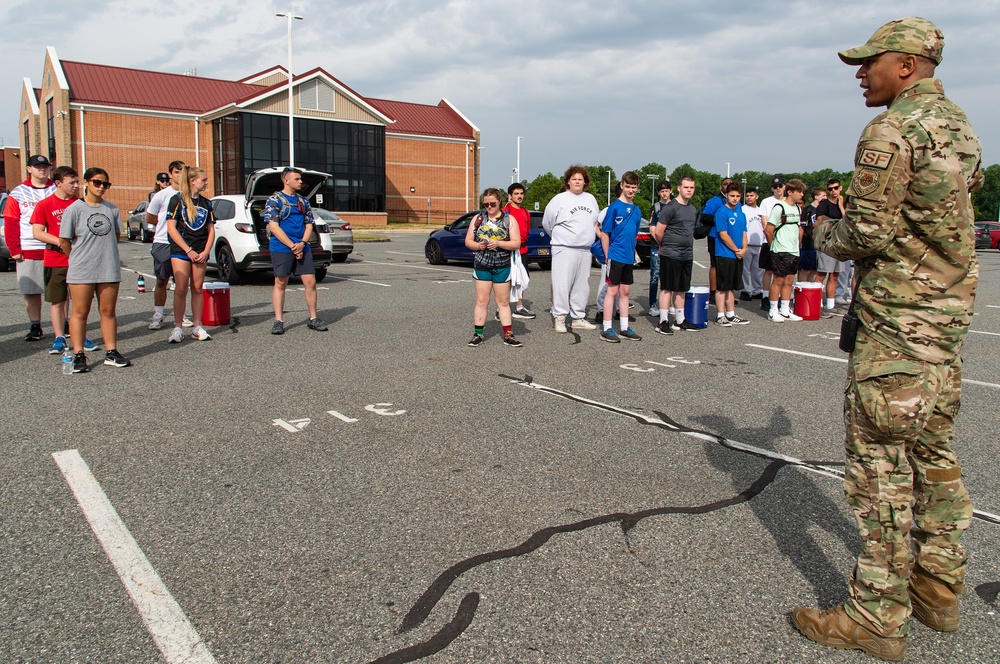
150, 90
423, 119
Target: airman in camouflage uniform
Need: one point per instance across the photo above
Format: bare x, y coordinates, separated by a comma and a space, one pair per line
909, 227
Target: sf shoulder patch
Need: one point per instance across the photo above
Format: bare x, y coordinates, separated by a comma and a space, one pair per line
873, 165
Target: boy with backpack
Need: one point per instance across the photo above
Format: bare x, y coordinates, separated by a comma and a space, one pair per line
784, 235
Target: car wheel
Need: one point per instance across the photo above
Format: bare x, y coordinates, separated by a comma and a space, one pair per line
144, 234
226, 265
320, 274
129, 233
339, 258
433, 252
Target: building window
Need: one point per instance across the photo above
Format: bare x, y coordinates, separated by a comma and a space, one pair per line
27, 141
353, 155
316, 95
50, 115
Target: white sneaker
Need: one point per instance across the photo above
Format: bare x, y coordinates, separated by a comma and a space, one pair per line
791, 316
176, 336
583, 324
560, 323
775, 317
842, 300
200, 334
156, 322
654, 311
187, 322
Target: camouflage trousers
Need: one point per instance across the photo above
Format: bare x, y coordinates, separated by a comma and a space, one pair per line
902, 479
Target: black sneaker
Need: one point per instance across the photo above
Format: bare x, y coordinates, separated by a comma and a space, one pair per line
278, 327
34, 333
80, 363
599, 318
522, 312
745, 296
722, 321
630, 334
116, 359
316, 324
511, 341
765, 304
758, 296
496, 316
689, 326
665, 327
477, 340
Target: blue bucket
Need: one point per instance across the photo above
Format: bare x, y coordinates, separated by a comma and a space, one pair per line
696, 306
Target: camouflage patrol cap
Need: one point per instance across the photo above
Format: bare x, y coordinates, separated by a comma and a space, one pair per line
912, 34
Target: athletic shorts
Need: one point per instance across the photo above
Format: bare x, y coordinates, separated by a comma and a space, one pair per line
728, 274
675, 275
711, 250
162, 267
828, 264
56, 290
31, 276
783, 264
807, 259
497, 275
620, 273
764, 260
285, 264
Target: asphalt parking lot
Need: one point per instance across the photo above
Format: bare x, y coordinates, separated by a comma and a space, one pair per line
382, 492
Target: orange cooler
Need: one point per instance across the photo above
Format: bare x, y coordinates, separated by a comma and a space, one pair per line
215, 297
808, 299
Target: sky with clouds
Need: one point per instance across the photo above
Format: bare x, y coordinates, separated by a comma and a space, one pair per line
756, 84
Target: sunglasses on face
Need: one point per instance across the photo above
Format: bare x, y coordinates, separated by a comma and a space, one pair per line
833, 188
104, 184
493, 204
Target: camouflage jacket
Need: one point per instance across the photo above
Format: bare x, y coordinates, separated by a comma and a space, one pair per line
909, 224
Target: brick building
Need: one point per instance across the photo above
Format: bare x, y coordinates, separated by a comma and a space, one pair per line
388, 160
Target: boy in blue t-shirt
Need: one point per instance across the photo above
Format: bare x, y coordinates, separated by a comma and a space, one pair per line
730, 246
618, 232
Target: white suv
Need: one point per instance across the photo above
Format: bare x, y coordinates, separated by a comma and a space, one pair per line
242, 240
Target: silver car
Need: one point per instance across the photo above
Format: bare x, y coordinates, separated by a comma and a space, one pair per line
337, 238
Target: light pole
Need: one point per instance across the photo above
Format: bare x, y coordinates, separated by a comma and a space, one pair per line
291, 105
609, 188
517, 170
727, 169
652, 187
743, 181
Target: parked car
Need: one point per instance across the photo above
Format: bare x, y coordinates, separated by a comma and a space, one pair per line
242, 240
988, 235
136, 226
448, 243
6, 264
335, 234
644, 242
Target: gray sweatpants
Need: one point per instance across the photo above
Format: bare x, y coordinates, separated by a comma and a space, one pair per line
752, 275
570, 281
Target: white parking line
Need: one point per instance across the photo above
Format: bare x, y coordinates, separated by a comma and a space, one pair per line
173, 633
840, 359
405, 253
419, 267
992, 334
699, 265
360, 281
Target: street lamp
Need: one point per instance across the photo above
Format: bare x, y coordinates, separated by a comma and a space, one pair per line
291, 131
652, 186
727, 169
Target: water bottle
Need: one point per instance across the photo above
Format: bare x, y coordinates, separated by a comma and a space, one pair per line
67, 361
141, 284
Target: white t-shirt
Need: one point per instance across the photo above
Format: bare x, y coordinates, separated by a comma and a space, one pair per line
158, 206
755, 225
765, 208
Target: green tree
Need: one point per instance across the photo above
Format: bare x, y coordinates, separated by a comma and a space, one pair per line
599, 183
986, 201
541, 190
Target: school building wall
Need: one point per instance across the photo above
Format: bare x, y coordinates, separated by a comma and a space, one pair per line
441, 170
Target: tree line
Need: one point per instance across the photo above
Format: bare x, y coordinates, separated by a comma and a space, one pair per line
545, 186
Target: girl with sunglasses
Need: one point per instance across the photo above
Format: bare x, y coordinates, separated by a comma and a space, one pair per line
88, 235
492, 237
191, 227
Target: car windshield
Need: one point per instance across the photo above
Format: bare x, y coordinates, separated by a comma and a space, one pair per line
326, 215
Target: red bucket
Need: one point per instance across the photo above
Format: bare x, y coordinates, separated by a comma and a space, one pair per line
215, 299
808, 300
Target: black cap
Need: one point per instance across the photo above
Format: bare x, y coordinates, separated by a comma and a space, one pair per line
163, 177
778, 181
38, 160
664, 184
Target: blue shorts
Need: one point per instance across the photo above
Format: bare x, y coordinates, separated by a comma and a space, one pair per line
285, 264
807, 259
497, 275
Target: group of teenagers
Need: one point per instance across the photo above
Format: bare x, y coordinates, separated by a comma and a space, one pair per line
66, 248
756, 252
